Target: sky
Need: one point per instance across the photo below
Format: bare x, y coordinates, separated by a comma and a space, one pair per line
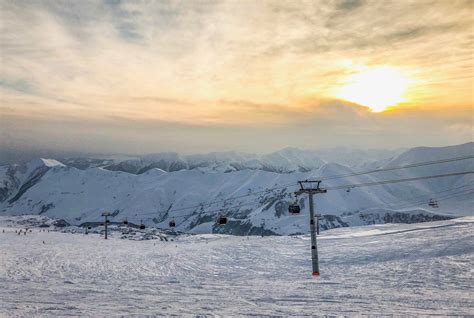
256, 76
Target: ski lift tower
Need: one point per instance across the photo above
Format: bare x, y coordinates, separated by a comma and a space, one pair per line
105, 215
312, 187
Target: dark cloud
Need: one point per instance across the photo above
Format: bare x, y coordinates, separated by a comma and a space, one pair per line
349, 5
19, 85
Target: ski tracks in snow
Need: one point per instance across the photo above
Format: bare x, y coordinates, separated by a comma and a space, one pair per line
405, 271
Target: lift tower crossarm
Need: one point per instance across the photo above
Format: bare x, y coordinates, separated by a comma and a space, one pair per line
312, 187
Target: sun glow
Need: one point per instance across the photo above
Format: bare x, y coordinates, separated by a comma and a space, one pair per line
376, 88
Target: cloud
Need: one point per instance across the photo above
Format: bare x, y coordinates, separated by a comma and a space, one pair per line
349, 5
223, 66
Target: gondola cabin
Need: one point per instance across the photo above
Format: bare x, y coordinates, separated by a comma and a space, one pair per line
142, 226
222, 220
294, 209
125, 222
172, 224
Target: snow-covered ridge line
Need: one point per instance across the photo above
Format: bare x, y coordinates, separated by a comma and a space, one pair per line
287, 160
259, 198
284, 161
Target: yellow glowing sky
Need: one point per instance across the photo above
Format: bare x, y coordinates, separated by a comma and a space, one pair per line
376, 88
127, 71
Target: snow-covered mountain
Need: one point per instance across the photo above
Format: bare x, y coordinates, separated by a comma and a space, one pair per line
194, 190
16, 179
287, 160
356, 158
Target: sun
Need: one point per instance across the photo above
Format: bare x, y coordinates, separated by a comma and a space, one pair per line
376, 88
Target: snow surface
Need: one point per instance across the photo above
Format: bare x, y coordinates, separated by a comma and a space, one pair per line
417, 269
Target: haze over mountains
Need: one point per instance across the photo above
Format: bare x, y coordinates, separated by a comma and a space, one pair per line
286, 160
172, 161
253, 191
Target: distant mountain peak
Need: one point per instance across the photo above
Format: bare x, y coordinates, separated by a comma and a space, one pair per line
49, 162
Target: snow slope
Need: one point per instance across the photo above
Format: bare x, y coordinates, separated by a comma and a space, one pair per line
157, 196
403, 270
16, 179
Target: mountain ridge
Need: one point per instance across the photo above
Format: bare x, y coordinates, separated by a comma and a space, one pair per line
253, 199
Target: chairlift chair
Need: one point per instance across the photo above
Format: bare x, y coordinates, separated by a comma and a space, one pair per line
433, 203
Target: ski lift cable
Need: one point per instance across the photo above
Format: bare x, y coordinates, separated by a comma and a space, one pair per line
441, 197
418, 203
232, 198
361, 185
410, 202
368, 184
229, 199
325, 178
444, 198
459, 190
356, 174
419, 164
372, 183
399, 207
425, 196
355, 186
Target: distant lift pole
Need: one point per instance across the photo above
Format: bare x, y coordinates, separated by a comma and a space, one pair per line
312, 187
105, 215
